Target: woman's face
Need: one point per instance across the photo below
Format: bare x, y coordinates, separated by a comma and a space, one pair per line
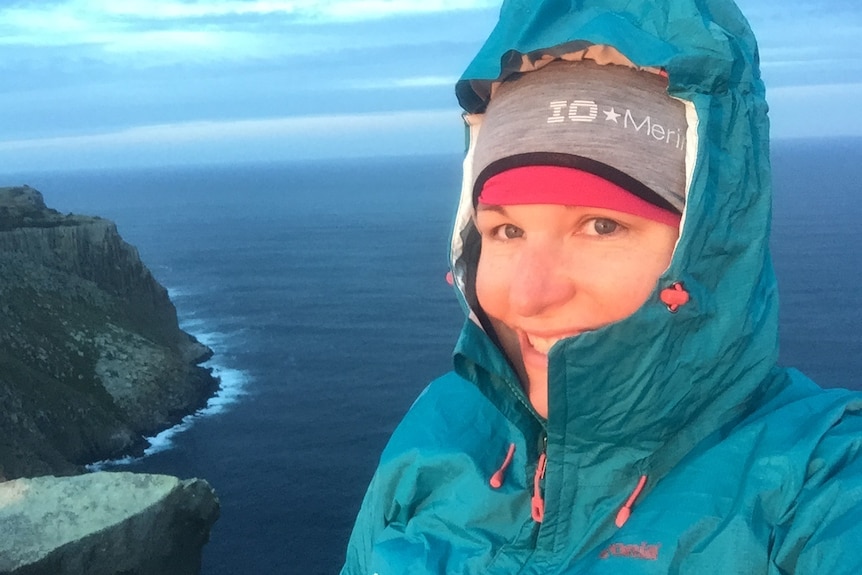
547, 272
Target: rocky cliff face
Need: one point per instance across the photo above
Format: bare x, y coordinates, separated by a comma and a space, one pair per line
91, 355
104, 523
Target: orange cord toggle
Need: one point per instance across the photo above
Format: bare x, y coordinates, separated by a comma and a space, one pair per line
626, 511
674, 297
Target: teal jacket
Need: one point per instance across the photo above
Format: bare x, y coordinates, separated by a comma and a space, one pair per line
673, 443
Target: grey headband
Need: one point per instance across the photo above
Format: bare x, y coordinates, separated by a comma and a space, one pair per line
613, 121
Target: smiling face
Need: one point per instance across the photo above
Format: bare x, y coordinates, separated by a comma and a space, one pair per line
549, 271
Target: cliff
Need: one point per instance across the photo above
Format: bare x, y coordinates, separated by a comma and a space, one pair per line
105, 523
91, 354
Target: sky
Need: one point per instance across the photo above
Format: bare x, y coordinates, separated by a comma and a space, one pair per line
108, 83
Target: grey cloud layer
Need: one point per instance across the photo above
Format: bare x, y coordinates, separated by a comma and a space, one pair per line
85, 67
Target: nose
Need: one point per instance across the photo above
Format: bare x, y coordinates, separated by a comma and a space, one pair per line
541, 282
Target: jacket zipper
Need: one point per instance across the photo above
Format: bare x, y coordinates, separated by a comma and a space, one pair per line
538, 501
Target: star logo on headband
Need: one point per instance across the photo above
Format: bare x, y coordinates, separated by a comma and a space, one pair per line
611, 115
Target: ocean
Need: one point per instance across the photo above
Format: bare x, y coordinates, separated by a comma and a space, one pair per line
321, 288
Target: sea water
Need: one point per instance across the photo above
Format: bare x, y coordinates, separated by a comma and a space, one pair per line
320, 287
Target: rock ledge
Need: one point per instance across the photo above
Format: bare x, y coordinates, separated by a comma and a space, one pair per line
105, 523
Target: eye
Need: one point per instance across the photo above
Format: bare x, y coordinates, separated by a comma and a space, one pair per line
508, 232
604, 226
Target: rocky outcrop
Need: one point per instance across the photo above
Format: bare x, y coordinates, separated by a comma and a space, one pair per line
104, 523
91, 354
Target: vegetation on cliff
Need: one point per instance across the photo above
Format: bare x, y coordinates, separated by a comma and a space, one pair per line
91, 355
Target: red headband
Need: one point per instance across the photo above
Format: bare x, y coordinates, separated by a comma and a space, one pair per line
568, 187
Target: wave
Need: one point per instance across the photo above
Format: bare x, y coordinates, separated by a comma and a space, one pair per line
174, 293
232, 386
217, 341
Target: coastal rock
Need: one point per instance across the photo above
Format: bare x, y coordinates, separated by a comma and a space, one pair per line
91, 355
105, 523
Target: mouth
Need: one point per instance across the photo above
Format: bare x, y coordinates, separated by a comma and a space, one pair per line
535, 348
541, 344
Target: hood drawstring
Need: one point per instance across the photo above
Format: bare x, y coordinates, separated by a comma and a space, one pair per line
674, 297
625, 512
497, 479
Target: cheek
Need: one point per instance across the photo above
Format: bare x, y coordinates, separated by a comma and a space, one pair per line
492, 287
629, 285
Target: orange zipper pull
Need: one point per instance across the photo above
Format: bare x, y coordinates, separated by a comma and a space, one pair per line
538, 502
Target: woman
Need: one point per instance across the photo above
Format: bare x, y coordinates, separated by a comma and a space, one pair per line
616, 405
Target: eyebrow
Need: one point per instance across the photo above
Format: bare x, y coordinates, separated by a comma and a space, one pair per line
491, 208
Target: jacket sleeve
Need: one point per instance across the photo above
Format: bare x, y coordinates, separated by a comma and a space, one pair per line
368, 523
378, 533
824, 532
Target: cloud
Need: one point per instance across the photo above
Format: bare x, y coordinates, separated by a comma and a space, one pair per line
239, 129
816, 26
84, 69
335, 135
70, 19
164, 32
807, 42
404, 82
311, 10
824, 110
358, 10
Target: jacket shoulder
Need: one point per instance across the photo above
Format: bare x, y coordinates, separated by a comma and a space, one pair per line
432, 479
450, 413
822, 432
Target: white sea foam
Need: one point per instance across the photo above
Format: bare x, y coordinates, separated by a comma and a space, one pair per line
174, 293
232, 384
164, 440
100, 465
192, 324
212, 339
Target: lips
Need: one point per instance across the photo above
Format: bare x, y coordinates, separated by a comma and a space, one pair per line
535, 348
542, 344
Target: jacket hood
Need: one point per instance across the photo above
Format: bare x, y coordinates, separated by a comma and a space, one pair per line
640, 393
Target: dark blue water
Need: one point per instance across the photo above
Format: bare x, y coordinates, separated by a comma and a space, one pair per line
817, 251
321, 288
